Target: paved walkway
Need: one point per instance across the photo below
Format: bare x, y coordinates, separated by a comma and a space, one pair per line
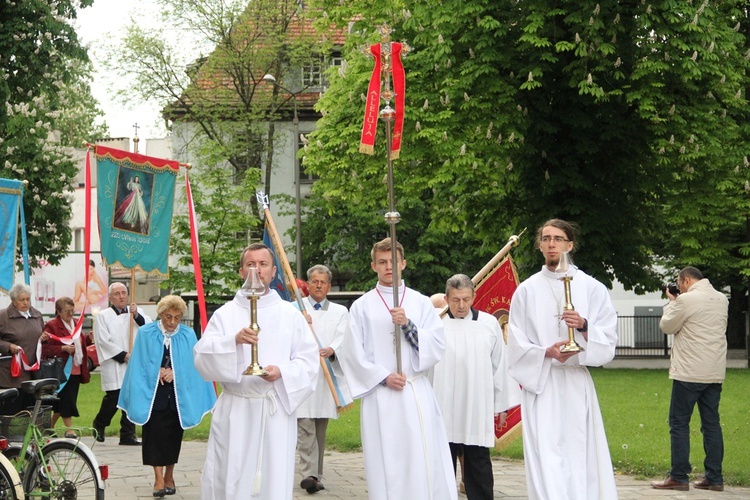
345, 478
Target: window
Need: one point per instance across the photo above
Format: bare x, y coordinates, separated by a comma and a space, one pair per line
304, 177
313, 74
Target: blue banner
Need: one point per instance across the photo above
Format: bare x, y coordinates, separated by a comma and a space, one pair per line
135, 197
11, 204
278, 280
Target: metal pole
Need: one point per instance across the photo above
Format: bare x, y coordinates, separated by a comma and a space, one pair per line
298, 208
388, 115
393, 217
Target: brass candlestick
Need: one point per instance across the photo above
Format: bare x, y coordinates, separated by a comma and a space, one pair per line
252, 289
564, 267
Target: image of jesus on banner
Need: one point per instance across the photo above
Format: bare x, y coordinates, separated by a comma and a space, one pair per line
132, 212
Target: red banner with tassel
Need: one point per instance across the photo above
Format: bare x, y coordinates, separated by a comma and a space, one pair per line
372, 105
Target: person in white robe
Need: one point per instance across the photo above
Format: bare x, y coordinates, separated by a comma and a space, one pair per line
404, 442
472, 385
329, 322
115, 329
565, 446
251, 443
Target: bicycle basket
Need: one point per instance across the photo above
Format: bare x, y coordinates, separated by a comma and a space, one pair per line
44, 419
13, 427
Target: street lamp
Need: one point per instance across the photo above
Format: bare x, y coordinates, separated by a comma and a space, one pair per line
295, 145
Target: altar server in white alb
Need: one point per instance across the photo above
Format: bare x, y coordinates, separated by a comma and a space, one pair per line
565, 448
253, 432
472, 385
112, 337
403, 435
329, 321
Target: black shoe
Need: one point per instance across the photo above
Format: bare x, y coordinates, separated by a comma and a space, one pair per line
311, 484
130, 441
99, 433
170, 491
159, 493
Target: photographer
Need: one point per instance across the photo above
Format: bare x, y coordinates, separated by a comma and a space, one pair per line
697, 318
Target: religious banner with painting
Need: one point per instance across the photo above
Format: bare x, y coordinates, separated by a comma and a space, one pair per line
135, 198
493, 296
11, 210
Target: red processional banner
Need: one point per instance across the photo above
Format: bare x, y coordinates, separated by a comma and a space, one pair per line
493, 296
372, 101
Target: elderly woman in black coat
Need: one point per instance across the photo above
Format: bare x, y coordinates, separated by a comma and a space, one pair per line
21, 328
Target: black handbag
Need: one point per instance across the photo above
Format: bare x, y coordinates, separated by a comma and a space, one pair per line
53, 368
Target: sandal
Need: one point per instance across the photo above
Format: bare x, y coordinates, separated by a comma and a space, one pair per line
71, 435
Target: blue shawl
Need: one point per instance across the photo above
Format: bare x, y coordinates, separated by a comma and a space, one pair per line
195, 396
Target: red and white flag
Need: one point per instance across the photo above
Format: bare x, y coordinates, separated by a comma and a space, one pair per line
493, 296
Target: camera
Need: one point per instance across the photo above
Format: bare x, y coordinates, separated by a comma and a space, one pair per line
672, 287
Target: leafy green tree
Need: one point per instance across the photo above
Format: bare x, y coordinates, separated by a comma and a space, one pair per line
220, 101
596, 112
80, 118
40, 58
224, 218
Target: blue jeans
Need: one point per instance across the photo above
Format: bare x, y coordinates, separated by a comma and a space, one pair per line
684, 397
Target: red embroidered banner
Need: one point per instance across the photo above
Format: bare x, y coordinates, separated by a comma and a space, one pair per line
493, 296
372, 106
399, 87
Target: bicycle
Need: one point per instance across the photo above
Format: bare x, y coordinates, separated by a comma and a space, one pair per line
10, 482
50, 466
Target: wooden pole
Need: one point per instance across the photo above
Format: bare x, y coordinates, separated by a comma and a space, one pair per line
512, 242
132, 301
286, 268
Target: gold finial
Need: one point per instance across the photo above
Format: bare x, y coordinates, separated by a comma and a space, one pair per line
385, 31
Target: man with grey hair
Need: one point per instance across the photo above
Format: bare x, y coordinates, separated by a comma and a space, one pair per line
112, 339
329, 322
472, 385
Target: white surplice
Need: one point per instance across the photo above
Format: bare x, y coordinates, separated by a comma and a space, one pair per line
111, 337
330, 326
565, 447
471, 381
253, 432
403, 435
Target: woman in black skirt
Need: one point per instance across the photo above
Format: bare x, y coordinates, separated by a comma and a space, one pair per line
163, 392
62, 342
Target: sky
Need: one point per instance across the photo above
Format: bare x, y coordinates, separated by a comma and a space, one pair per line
104, 21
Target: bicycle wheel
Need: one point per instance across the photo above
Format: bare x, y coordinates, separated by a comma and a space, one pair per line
10, 482
62, 471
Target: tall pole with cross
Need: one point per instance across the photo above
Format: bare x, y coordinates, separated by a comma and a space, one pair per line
387, 83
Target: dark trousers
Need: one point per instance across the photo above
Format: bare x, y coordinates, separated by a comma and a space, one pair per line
685, 395
478, 479
108, 409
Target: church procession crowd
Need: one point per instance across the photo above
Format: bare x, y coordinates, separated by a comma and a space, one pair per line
419, 418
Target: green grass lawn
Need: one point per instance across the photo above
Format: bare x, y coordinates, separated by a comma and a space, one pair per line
635, 407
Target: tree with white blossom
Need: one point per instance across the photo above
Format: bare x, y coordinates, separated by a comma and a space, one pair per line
627, 117
40, 62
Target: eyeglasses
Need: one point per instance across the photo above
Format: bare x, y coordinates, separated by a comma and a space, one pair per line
170, 317
67, 311
556, 239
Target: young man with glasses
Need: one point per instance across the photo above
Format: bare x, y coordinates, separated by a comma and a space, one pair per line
565, 447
